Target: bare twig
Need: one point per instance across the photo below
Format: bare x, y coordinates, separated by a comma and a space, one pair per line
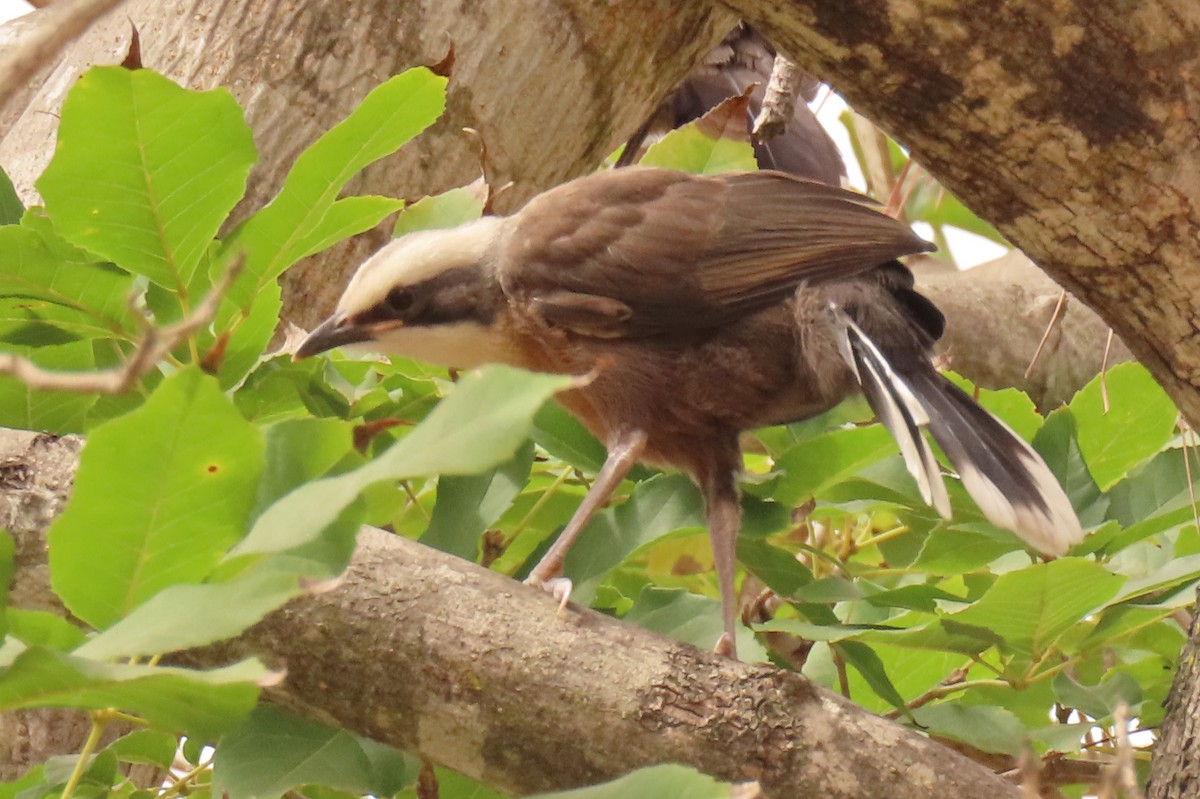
779, 104
155, 343
1059, 308
57, 27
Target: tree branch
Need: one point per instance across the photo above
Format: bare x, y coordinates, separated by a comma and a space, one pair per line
468, 668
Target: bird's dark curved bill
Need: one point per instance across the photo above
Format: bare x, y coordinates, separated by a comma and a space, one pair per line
336, 331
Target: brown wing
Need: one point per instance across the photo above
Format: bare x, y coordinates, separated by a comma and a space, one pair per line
644, 251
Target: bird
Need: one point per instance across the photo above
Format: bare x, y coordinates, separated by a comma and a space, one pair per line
742, 63
701, 307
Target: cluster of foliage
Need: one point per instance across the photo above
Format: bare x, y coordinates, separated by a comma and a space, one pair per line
227, 480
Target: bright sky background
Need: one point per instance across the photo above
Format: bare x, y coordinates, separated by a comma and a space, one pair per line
13, 8
968, 249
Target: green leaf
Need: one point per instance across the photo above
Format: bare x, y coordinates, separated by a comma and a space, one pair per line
145, 171
43, 628
348, 217
160, 495
275, 751
871, 668
480, 424
11, 208
467, 506
200, 703
563, 436
57, 412
687, 617
991, 729
814, 465
151, 747
299, 451
1098, 701
660, 505
1175, 573
949, 551
446, 210
1058, 445
1140, 420
717, 142
251, 335
656, 781
39, 285
155, 626
282, 232
1032, 607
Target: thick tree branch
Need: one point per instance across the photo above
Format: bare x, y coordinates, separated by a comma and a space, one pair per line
1073, 127
468, 668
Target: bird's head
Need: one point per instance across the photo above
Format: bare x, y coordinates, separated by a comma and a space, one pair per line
430, 295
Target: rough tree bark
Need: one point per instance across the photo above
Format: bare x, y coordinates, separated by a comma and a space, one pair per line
1175, 771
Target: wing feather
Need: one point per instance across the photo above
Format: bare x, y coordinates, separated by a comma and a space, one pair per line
686, 252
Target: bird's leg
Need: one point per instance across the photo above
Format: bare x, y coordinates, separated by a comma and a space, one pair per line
724, 511
623, 453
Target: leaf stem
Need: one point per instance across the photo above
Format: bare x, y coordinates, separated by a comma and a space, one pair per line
99, 721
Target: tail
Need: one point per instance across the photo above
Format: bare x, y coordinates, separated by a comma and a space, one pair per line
1008, 480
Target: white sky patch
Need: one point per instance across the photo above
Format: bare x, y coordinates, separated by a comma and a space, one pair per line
13, 8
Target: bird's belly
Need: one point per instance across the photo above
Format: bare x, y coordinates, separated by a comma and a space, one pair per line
684, 389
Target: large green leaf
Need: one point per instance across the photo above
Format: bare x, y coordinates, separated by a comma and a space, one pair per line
1032, 607
687, 617
1140, 419
160, 495
815, 464
275, 751
989, 728
154, 626
40, 285
657, 506
295, 222
1059, 446
57, 412
145, 171
201, 703
480, 424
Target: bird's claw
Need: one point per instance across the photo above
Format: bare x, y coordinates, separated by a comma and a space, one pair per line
725, 646
558, 587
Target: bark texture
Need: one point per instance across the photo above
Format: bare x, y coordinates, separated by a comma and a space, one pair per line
997, 315
552, 87
1073, 127
1175, 770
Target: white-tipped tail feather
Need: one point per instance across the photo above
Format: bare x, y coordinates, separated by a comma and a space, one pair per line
1008, 480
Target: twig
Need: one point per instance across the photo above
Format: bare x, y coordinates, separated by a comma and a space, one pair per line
1054, 317
1126, 771
55, 28
779, 102
155, 343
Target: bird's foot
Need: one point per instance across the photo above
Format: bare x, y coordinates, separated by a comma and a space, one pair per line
558, 587
726, 647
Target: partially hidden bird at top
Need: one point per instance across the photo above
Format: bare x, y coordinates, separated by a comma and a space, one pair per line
702, 306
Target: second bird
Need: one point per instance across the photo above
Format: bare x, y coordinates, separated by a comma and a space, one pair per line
703, 306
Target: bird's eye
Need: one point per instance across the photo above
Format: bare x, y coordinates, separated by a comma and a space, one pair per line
399, 299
